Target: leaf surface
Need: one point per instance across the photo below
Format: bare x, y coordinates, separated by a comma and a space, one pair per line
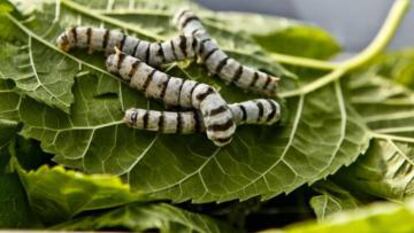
379, 217
15, 211
148, 217
332, 199
386, 170
57, 194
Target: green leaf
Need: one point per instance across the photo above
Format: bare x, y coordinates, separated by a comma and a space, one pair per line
380, 217
8, 129
302, 41
14, 207
399, 66
332, 199
25, 65
386, 170
315, 141
5, 7
56, 194
148, 217
9, 102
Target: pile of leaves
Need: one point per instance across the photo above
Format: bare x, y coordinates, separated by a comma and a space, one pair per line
68, 162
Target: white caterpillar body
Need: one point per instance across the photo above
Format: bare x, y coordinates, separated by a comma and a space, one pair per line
166, 122
153, 53
219, 63
217, 116
259, 111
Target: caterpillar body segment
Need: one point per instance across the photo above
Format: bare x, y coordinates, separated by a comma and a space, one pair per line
166, 122
219, 63
259, 111
153, 53
174, 91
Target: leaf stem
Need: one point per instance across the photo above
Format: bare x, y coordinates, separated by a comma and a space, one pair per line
392, 137
303, 61
382, 39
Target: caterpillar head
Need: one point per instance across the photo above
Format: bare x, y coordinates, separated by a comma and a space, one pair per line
63, 42
130, 117
182, 16
177, 16
113, 61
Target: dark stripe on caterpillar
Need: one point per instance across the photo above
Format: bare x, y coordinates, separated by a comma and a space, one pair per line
268, 80
173, 50
194, 45
179, 123
179, 92
105, 39
192, 92
75, 34
195, 31
145, 120
201, 96
121, 59
205, 40
224, 140
134, 52
147, 53
198, 125
189, 19
148, 80
202, 46
164, 88
182, 14
237, 75
161, 52
133, 68
221, 64
260, 106
273, 111
254, 80
217, 110
210, 53
161, 122
121, 44
88, 37
244, 113
183, 45
221, 127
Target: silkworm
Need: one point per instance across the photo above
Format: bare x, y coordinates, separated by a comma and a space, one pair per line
219, 63
217, 116
259, 111
153, 53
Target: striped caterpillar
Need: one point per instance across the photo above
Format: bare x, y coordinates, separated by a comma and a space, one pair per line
260, 111
174, 91
219, 63
195, 42
153, 53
